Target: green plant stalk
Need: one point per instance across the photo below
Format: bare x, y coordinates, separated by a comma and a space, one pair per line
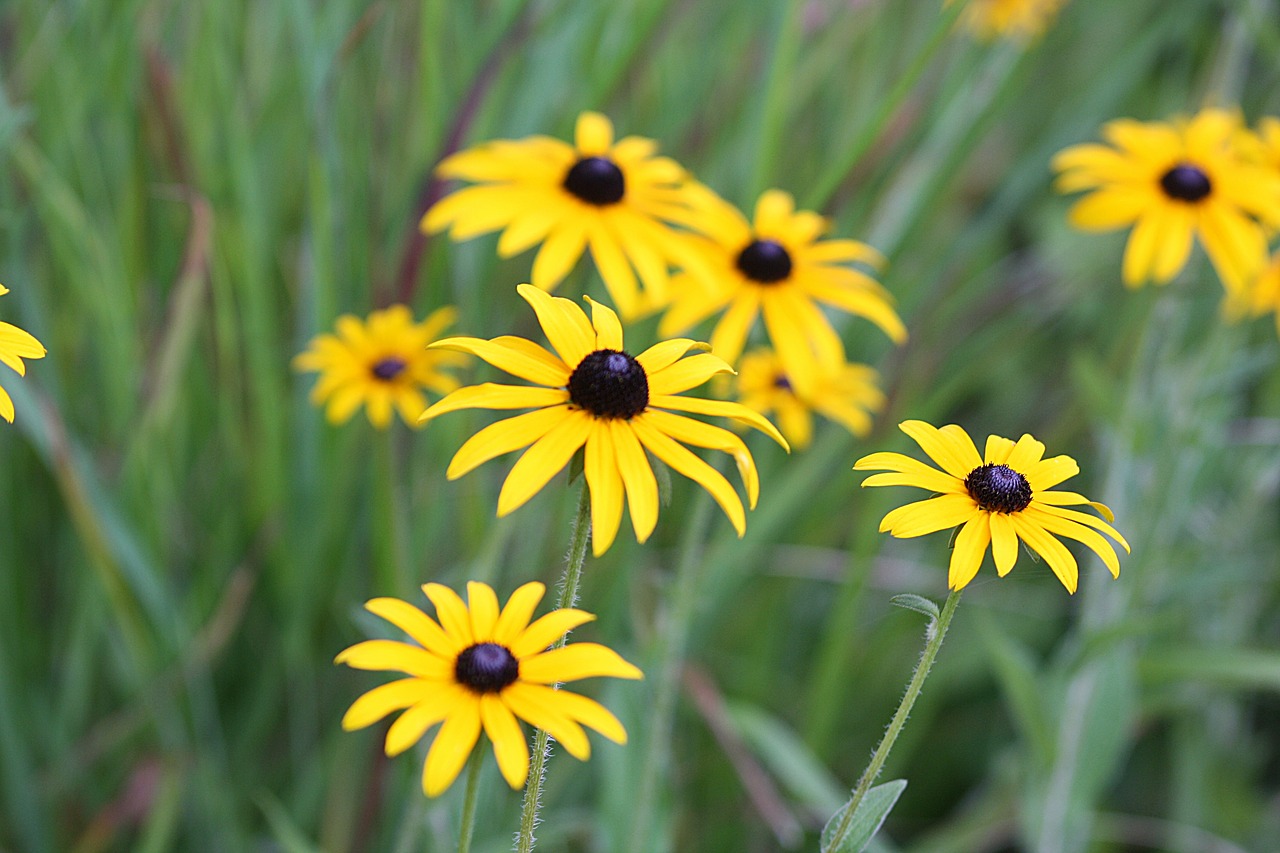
672, 639
390, 548
936, 633
773, 119
469, 800
568, 597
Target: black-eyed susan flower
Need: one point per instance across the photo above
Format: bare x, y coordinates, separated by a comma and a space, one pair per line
847, 395
477, 668
15, 345
595, 395
778, 267
1172, 182
382, 362
1013, 19
612, 198
995, 499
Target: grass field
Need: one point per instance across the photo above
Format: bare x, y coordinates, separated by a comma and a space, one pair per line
189, 192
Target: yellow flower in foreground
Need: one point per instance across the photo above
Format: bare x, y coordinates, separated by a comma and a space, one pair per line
1017, 19
382, 363
1173, 181
999, 499
778, 266
612, 198
847, 395
479, 667
600, 397
15, 345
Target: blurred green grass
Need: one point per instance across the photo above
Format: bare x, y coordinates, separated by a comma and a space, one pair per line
189, 192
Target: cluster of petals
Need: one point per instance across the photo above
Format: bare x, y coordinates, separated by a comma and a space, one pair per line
1194, 178
1019, 20
996, 499
15, 345
591, 394
382, 362
481, 667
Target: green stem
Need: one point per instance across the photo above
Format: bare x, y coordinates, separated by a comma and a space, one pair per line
672, 638
568, 597
936, 633
391, 561
773, 120
469, 802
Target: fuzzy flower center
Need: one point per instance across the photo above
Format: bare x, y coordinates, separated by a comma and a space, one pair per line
1185, 182
764, 261
388, 368
998, 488
609, 384
596, 180
486, 668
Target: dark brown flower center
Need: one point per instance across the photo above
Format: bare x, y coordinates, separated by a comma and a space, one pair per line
486, 668
782, 382
998, 488
609, 384
388, 368
596, 180
764, 261
1185, 182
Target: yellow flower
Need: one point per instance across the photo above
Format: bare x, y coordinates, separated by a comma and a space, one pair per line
1266, 290
1173, 181
1000, 498
612, 198
479, 667
777, 266
1016, 19
15, 345
382, 363
847, 395
598, 396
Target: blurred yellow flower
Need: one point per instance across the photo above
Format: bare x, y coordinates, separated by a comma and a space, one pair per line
847, 395
1172, 182
1266, 291
998, 499
481, 668
612, 198
598, 396
15, 345
1015, 19
777, 266
382, 362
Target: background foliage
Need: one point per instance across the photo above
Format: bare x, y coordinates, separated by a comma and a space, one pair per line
190, 191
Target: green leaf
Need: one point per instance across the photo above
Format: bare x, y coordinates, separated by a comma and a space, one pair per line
788, 757
866, 822
918, 603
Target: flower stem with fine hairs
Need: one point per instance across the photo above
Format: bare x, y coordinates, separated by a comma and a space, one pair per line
568, 597
469, 801
936, 632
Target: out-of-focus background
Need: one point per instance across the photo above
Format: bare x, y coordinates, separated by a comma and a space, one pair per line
190, 191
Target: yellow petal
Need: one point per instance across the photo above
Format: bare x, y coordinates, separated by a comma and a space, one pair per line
1073, 530
687, 373
482, 605
543, 369
684, 462
929, 516
970, 548
542, 707
662, 355
389, 655
1025, 454
1051, 550
452, 612
605, 322
559, 252
1004, 543
605, 484
615, 270
998, 450
579, 660
564, 324
700, 434
515, 616
508, 740
589, 713
1048, 473
547, 630
941, 448
1083, 518
542, 461
719, 408
416, 624
383, 700
452, 746
632, 464
504, 437
410, 726
593, 135
730, 334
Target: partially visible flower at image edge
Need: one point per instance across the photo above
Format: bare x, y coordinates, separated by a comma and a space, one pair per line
1015, 19
1266, 291
778, 266
599, 397
15, 345
1173, 181
847, 394
382, 362
478, 668
995, 499
612, 198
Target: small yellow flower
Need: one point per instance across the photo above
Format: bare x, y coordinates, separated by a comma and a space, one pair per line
1014, 19
15, 345
481, 668
598, 396
382, 362
847, 395
1172, 182
998, 499
1266, 291
614, 198
779, 267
